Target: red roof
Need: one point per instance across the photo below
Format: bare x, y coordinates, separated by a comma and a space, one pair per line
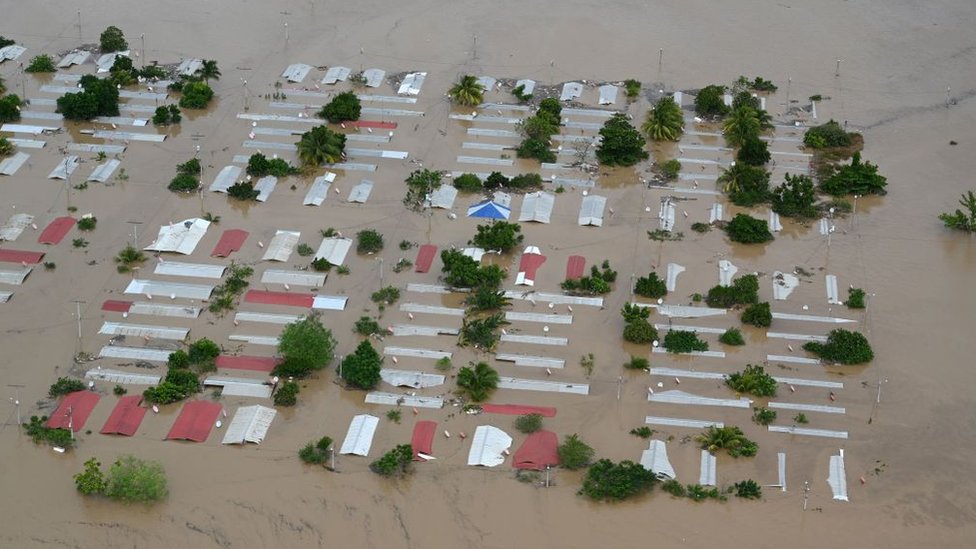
530, 263
537, 451
80, 404
372, 124
575, 266
55, 232
425, 257
195, 421
126, 417
230, 241
518, 409
19, 256
255, 363
423, 438
279, 298
116, 306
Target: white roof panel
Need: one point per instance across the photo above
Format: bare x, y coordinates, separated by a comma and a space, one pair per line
543, 386
409, 378
537, 207
571, 90
706, 476
267, 318
11, 52
27, 128
488, 446
74, 58
419, 330
298, 278
557, 299
336, 74
427, 288
163, 309
374, 77
360, 193
431, 309
359, 437
541, 318
250, 424
226, 177
837, 479
9, 166
270, 341
120, 377
319, 190
591, 210
239, 386
608, 94
296, 72
412, 83
143, 330
189, 67
487, 82
443, 197
281, 246
134, 353
5, 296
535, 340
181, 237
528, 360
169, 289
655, 459
528, 86
415, 353
265, 186
65, 168
106, 61
334, 250
679, 422
791, 430
330, 302
14, 226
681, 397
15, 278
396, 399
197, 270
129, 136
102, 172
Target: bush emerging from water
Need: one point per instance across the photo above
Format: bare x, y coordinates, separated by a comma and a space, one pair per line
843, 347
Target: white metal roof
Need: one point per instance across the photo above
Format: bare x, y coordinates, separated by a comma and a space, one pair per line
14, 226
129, 136
681, 397
330, 302
359, 437
297, 278
270, 341
832, 295
106, 61
557, 299
169, 289
410, 378
431, 309
474, 253
181, 237
334, 250
706, 476
412, 83
143, 330
427, 288
804, 431
791, 359
15, 278
374, 77
781, 469
683, 311
837, 479
265, 186
239, 386
443, 197
537, 206
536, 340
65, 168
296, 72
726, 270
102, 172
666, 216
134, 353
678, 98
163, 309
360, 193
416, 353
773, 222
528, 86
27, 143
9, 166
74, 58
123, 378
419, 330
487, 82
571, 90
541, 318
319, 190
11, 52
822, 408
27, 128
281, 246
267, 318
679, 422
671, 278
336, 74
189, 67
716, 213
812, 318
250, 424
226, 177
591, 210
655, 459
608, 94
396, 399
797, 337
543, 386
488, 446
197, 270
528, 360
5, 296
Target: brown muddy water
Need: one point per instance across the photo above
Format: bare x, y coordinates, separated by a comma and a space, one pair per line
897, 60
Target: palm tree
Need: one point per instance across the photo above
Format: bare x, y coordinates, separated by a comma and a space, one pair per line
664, 121
731, 439
731, 178
6, 147
742, 124
478, 382
209, 70
468, 91
321, 146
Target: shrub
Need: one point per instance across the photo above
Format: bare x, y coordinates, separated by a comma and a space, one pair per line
637, 363
203, 352
639, 331
343, 107
396, 462
305, 250
748, 489
960, 220
496, 180
134, 480
119, 390
732, 336
178, 359
643, 431
528, 423
753, 152
467, 183
855, 298
98, 98
574, 453
700, 227
185, 183
486, 299
190, 167
477, 381
763, 416
394, 415
730, 438
305, 345
526, 181
54, 437
443, 364
795, 197
753, 380
535, 148
243, 190
287, 394
500, 235
621, 143
112, 39
683, 341
670, 169
368, 241
743, 291
606, 480
748, 230
41, 63
758, 315
87, 223
196, 95
366, 326
361, 369
632, 87
10, 108
650, 286
387, 295
6, 147
843, 347
665, 121
64, 386
746, 185
597, 283
91, 481
320, 145
710, 101
858, 178
830, 134
697, 492
320, 265
259, 165
674, 488
519, 93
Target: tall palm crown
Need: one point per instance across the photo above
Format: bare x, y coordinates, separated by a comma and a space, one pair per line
467, 91
664, 121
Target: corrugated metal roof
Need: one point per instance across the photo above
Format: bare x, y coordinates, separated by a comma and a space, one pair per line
267, 318
27, 128
431, 309
134, 353
682, 311
796, 337
528, 86
427, 288
485, 160
591, 210
773, 222
416, 353
678, 98
106, 61
374, 77
11, 52
671, 278
474, 253
226, 177
715, 214
189, 67
804, 431
536, 340
125, 417
534, 361
360, 193
488, 446
709, 354
354, 167
319, 190
790, 359
570, 91
396, 399
162, 309
443, 197
409, 378
102, 172
681, 397
726, 270
412, 83
181, 237
250, 424
487, 82
15, 278
73, 58
239, 386
812, 318
560, 181
15, 226
655, 460
831, 282
608, 94
297, 278
281, 246
359, 437
666, 215
130, 136
143, 330
377, 153
417, 330
807, 407
537, 207
40, 115
5, 296
197, 270
677, 422
27, 143
489, 132
336, 74
169, 289
696, 329
296, 72
265, 186
195, 421
543, 386
781, 469
65, 168
9, 166
255, 340
120, 377
122, 120
557, 299
365, 98
334, 250
706, 476
837, 478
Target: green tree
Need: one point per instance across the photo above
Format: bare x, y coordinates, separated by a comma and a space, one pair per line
540, 127
482, 333
730, 438
209, 70
467, 91
754, 151
362, 368
752, 380
639, 331
732, 336
758, 315
621, 143
795, 197
743, 291
134, 480
78, 106
478, 381
664, 121
741, 125
91, 481
243, 190
196, 95
343, 107
6, 147
748, 230
746, 99
650, 286
855, 298
710, 101
858, 178
827, 135
746, 185
637, 363
368, 241
203, 352
366, 326
287, 394
843, 347
183, 183
41, 63
486, 298
321, 145
684, 341
670, 169
609, 481
112, 39
528, 423
305, 345
396, 462
962, 220
748, 489
499, 235
539, 149
10, 108
468, 183
574, 453
64, 386
105, 92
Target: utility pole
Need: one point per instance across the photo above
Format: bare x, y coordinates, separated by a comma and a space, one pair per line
286, 32
837, 70
16, 401
948, 89
245, 94
620, 381
143, 38
806, 493
381, 271
789, 83
79, 24
78, 303
660, 60
23, 85
474, 50
67, 181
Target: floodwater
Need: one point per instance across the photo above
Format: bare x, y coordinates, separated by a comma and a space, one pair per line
897, 60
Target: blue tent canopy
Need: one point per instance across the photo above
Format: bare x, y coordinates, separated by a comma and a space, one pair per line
490, 210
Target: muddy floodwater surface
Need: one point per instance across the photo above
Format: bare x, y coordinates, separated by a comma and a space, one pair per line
883, 68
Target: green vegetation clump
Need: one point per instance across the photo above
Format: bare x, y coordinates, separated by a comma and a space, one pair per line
484, 298
664, 122
129, 479
697, 492
39, 433
178, 384
528, 423
748, 230
112, 39
91, 480
396, 462
730, 438
128, 258
6, 147
320, 145
598, 283
732, 336
609, 481
366, 326
99, 97
287, 394
746, 185
643, 431
674, 488
855, 298
960, 220
859, 178
343, 107
537, 130
758, 315
745, 123
368, 241
361, 369
621, 144
202, 353
167, 115
710, 101
843, 347
420, 184
757, 84
477, 381
650, 286
519, 93
482, 333
743, 291
196, 95
795, 197
234, 285
315, 453
670, 169
637, 363
394, 415
243, 191
10, 109
752, 380
64, 386
305, 250
306, 346
763, 416
684, 341
499, 235
259, 165
754, 152
827, 135
574, 453
748, 489
461, 271
41, 63
468, 183
184, 183
801, 418
632, 88
443, 364
387, 295
467, 91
